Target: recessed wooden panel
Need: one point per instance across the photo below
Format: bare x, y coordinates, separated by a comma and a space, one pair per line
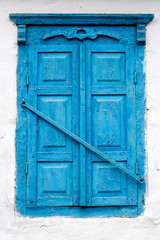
108, 121
54, 179
57, 108
108, 68
106, 179
109, 184
54, 68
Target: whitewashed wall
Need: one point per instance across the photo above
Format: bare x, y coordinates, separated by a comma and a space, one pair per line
15, 227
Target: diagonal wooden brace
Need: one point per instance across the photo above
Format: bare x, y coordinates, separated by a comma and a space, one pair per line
81, 141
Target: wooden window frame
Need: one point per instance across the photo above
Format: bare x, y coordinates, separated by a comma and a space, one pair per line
23, 21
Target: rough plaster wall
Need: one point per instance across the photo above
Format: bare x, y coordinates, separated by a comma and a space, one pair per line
13, 226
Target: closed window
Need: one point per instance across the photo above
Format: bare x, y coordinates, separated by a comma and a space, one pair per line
80, 130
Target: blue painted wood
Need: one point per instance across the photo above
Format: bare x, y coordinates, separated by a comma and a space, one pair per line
80, 140
108, 119
82, 76
35, 34
58, 91
32, 132
81, 33
83, 163
51, 66
88, 128
81, 19
111, 211
141, 34
21, 133
140, 122
21, 34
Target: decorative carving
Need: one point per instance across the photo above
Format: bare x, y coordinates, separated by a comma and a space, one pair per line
141, 34
81, 34
21, 34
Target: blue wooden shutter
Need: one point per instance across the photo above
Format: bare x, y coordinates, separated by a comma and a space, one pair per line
111, 124
60, 175
53, 159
